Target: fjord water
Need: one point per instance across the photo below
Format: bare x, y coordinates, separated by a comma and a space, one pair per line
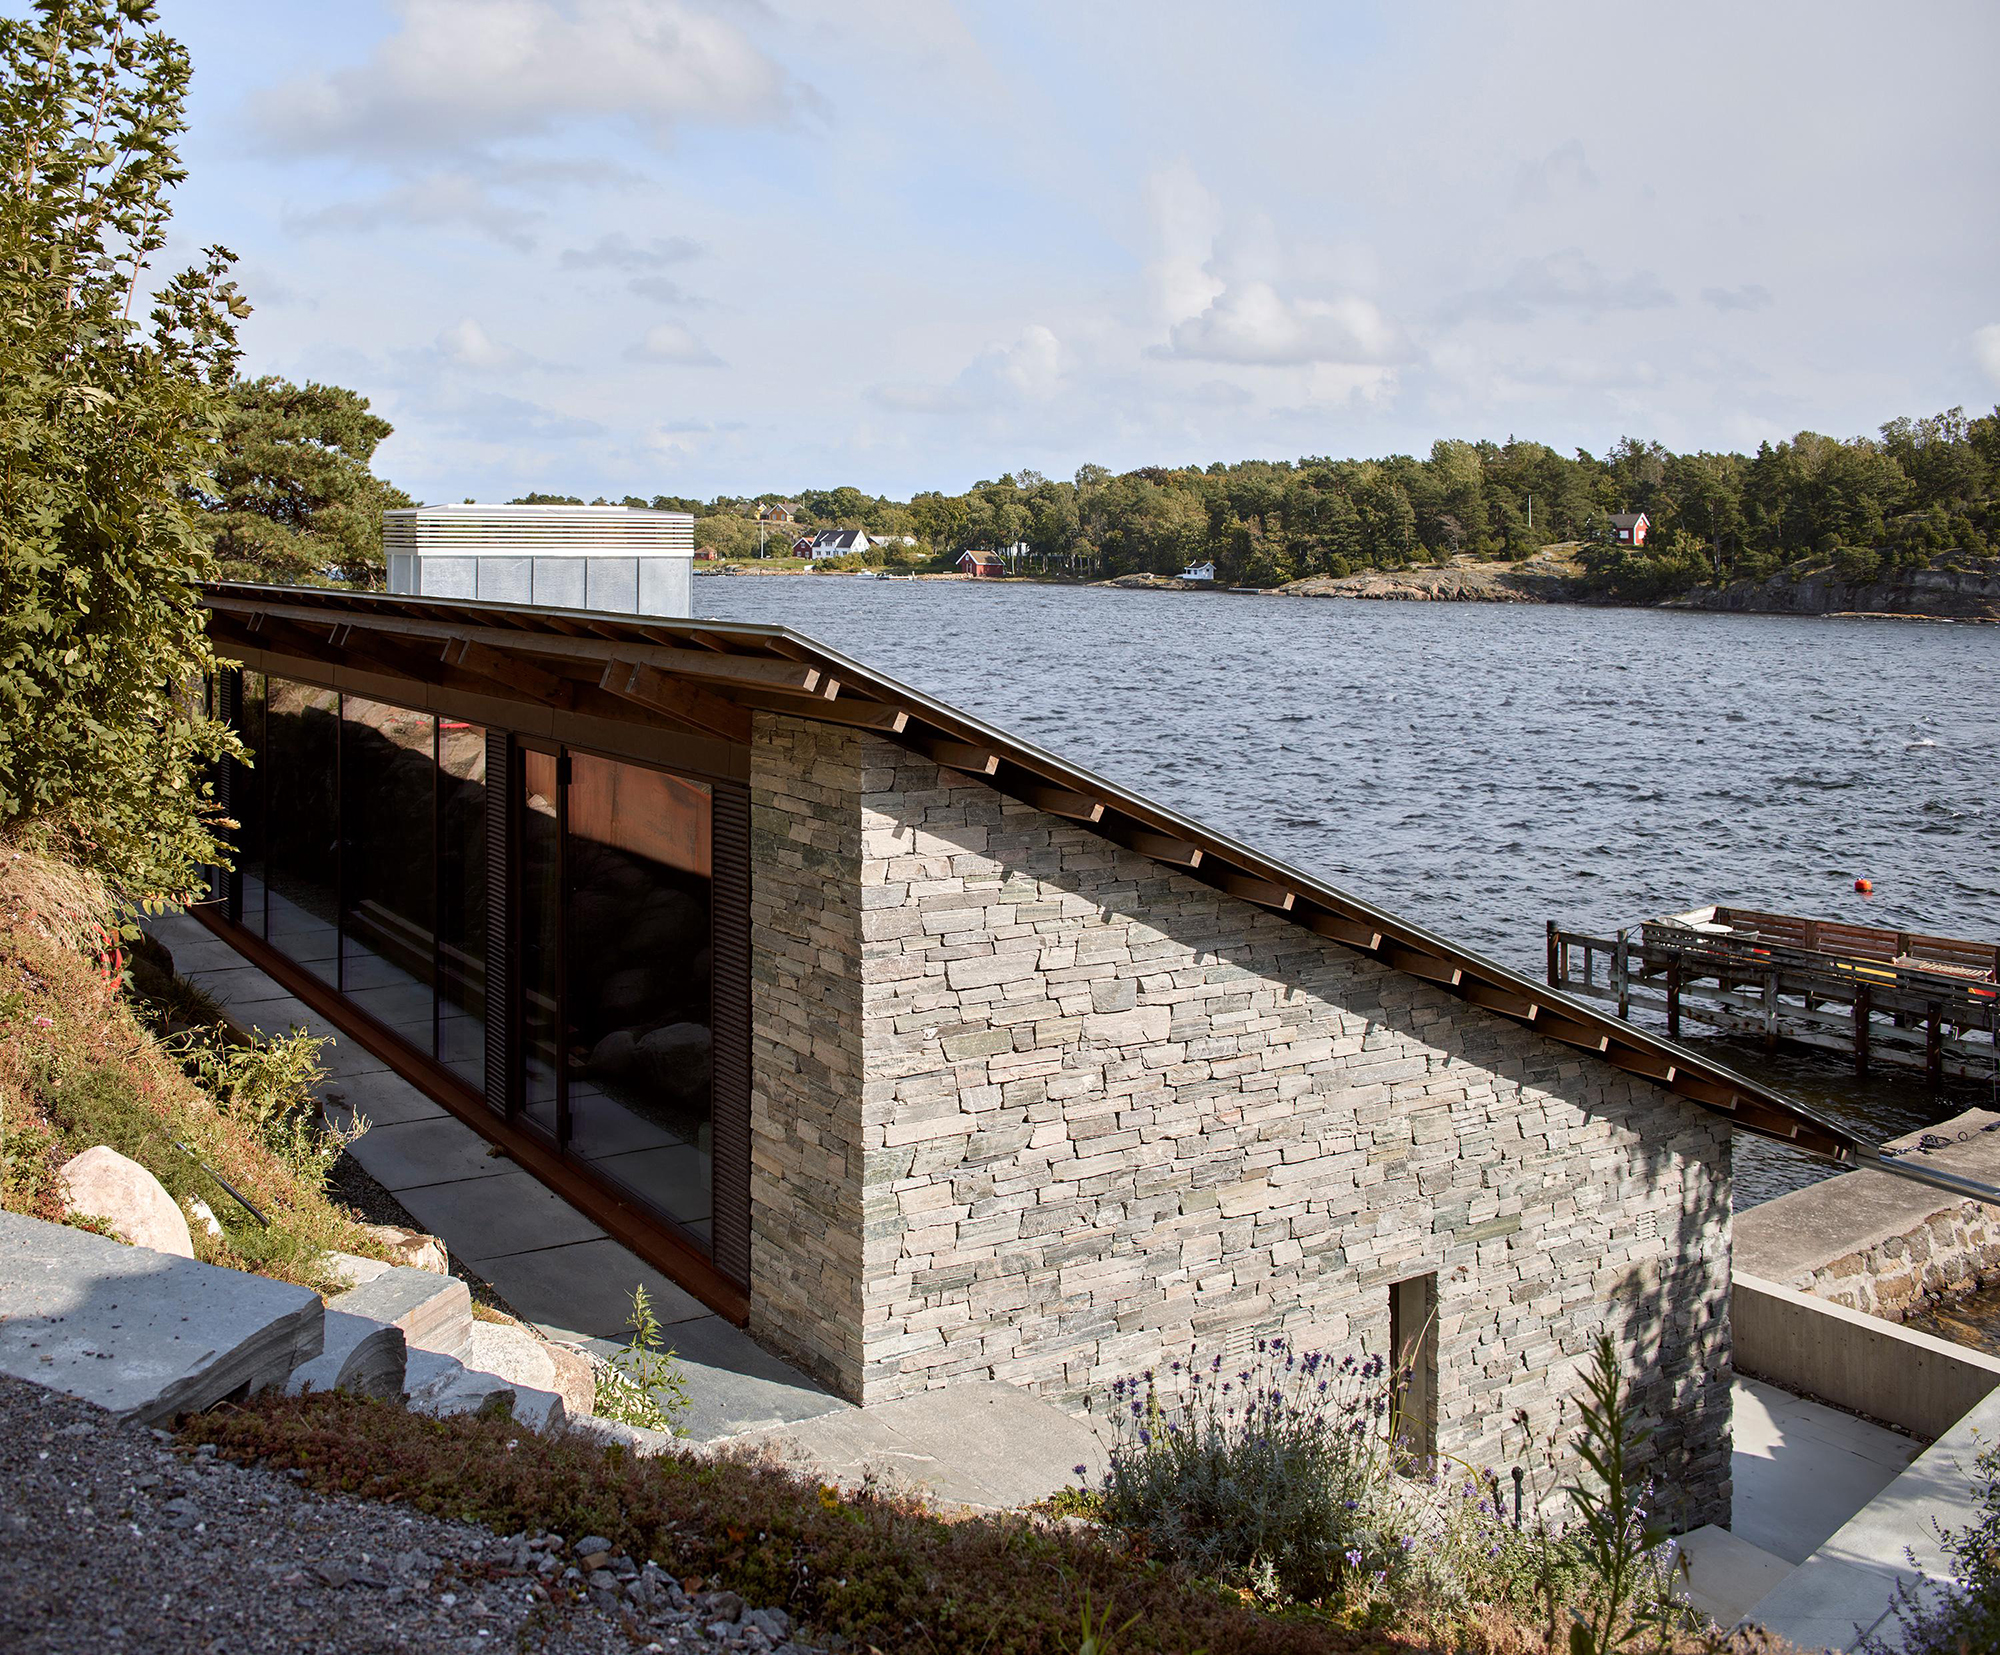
1483, 768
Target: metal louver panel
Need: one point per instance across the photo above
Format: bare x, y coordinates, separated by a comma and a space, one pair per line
730, 924
501, 970
552, 531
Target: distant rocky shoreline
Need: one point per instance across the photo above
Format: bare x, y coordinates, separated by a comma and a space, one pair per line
1953, 586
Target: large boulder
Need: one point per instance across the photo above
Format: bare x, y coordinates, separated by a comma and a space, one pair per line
104, 1184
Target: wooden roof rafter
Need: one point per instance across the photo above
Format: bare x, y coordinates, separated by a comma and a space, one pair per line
723, 671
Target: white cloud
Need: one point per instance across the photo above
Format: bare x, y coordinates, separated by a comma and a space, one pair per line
457, 75
1750, 296
1567, 282
671, 342
468, 345
1253, 324
1562, 169
1986, 350
618, 251
436, 200
1187, 219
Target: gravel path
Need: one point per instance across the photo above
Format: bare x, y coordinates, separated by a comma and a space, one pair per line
113, 1540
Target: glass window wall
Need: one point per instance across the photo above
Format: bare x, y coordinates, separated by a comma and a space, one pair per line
364, 848
636, 983
301, 792
388, 868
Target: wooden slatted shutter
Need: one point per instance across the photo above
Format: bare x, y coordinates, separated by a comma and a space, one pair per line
730, 1032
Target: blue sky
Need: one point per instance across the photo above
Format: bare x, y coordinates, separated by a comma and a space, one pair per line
667, 246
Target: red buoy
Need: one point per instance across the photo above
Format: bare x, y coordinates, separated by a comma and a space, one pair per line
1865, 886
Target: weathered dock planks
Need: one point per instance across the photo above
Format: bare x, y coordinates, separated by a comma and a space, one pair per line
1897, 999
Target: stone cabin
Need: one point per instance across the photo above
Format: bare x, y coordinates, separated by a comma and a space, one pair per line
943, 1059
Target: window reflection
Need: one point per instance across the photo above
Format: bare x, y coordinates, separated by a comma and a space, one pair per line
388, 784
302, 752
247, 805
637, 983
461, 900
541, 939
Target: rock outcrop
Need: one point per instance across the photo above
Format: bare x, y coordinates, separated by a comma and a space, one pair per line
1952, 586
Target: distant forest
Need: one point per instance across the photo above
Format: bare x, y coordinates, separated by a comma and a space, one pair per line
293, 496
1866, 507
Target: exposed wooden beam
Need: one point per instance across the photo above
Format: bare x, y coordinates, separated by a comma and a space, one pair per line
1264, 892
1062, 801
1419, 964
1503, 1000
974, 760
1342, 930
1570, 1032
1161, 847
849, 710
647, 686
509, 670
1650, 1064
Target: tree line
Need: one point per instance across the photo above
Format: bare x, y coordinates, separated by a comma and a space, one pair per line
295, 496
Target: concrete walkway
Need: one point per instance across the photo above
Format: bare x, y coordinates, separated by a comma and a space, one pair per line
551, 1263
980, 1445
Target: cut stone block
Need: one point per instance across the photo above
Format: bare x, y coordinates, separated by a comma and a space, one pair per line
443, 1385
434, 1312
142, 1334
524, 1358
361, 1355
104, 1184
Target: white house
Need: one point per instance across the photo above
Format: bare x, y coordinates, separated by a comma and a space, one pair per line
838, 542
1198, 571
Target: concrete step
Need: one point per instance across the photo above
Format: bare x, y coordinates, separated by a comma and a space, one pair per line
434, 1312
145, 1335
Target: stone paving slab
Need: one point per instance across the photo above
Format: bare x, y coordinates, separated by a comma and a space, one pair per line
1845, 1589
578, 1291
381, 1096
1726, 1574
1801, 1469
411, 1154
508, 1213
143, 1335
984, 1445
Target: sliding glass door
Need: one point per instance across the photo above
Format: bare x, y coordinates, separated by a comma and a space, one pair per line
615, 967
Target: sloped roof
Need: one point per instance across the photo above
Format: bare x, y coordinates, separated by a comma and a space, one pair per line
708, 677
1628, 519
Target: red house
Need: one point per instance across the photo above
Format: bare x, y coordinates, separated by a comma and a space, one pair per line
981, 565
1630, 527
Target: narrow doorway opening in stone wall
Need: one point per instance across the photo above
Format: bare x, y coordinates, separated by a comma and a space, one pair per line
1413, 1379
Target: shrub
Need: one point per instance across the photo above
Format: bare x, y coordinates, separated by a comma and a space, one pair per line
1263, 1476
643, 1385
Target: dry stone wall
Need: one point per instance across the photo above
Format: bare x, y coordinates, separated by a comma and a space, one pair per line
1107, 1114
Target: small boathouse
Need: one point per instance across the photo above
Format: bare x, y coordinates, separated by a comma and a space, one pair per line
929, 1055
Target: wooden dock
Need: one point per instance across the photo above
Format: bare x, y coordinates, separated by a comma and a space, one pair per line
1897, 999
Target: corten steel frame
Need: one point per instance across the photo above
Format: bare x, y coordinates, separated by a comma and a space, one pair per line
683, 691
